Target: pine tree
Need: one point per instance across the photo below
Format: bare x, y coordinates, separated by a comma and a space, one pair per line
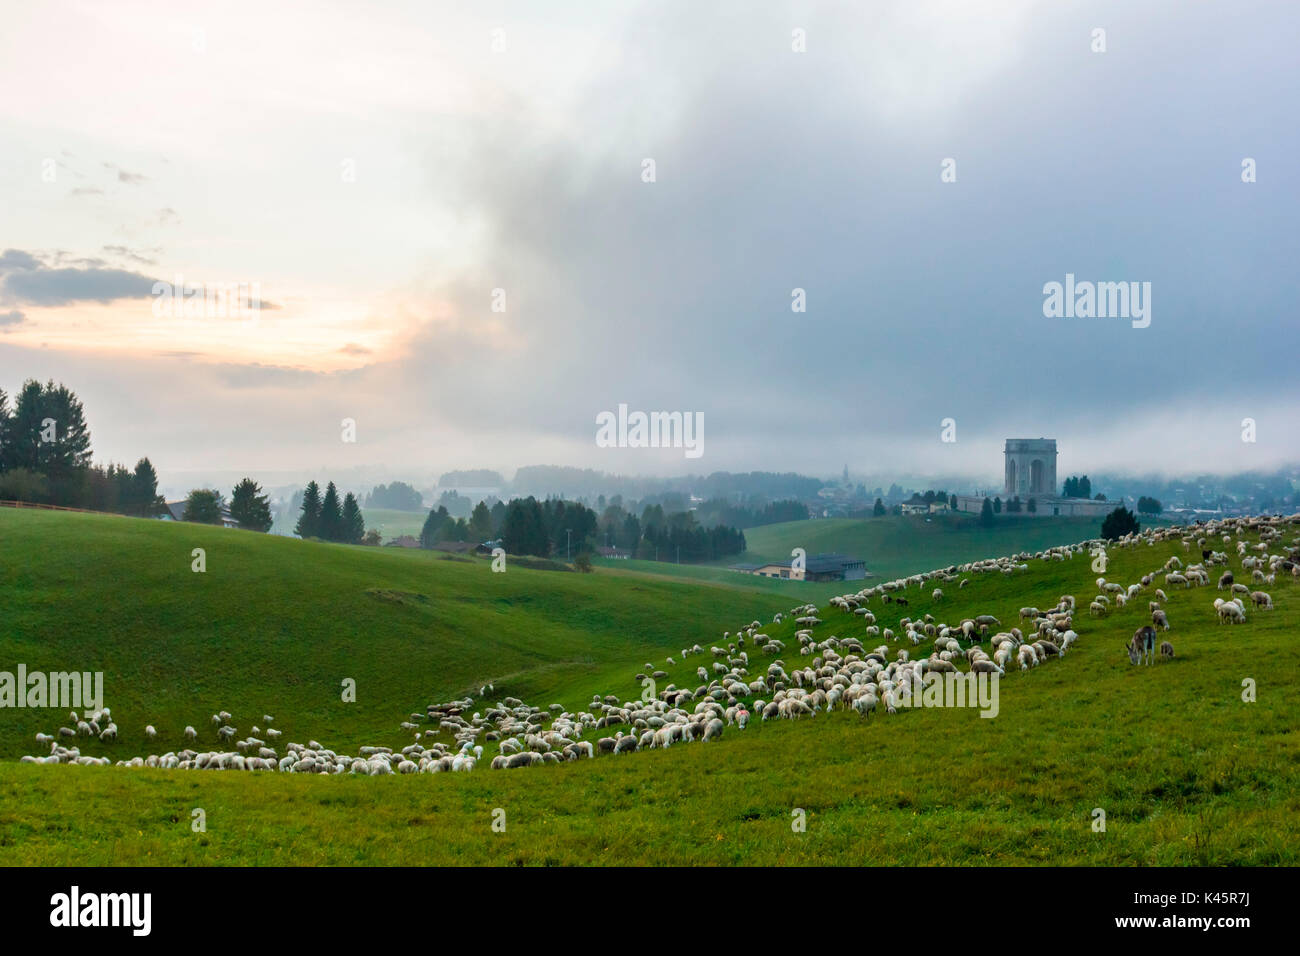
47, 433
480, 523
1118, 523
879, 508
145, 499
524, 530
354, 525
250, 507
4, 431
986, 514
331, 515
309, 519
430, 533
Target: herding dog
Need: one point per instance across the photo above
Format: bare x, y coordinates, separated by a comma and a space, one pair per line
1143, 645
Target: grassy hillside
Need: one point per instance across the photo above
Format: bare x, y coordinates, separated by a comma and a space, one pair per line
721, 576
392, 524
274, 625
897, 545
1186, 771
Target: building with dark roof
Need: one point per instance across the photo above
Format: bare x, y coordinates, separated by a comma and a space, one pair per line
817, 567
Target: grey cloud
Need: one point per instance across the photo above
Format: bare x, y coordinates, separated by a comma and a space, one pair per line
44, 286
17, 259
12, 317
924, 299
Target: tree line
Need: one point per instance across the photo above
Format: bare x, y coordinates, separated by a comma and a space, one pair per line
45, 457
559, 528
398, 496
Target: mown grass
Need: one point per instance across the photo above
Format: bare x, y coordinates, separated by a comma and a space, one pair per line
1186, 772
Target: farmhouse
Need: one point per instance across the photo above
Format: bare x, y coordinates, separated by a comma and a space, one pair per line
176, 512
817, 567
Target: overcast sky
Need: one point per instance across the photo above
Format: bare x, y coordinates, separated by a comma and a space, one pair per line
377, 170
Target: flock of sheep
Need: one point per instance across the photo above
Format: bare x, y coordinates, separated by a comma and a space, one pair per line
1263, 568
833, 673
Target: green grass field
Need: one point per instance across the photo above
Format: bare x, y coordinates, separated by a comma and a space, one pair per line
1186, 772
898, 545
389, 523
892, 546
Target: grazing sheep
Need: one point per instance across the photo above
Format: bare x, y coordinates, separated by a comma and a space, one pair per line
191, 733
1231, 612
1261, 600
1166, 651
1160, 619
150, 732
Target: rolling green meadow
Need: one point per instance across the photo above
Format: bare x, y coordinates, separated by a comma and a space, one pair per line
1186, 771
898, 545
